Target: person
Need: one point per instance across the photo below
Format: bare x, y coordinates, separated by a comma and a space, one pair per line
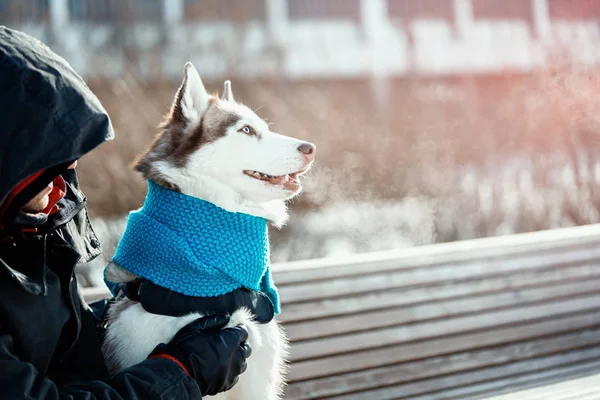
50, 340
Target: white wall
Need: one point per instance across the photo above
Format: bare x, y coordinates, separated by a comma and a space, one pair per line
308, 49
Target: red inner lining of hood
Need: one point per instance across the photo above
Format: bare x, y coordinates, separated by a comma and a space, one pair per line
59, 190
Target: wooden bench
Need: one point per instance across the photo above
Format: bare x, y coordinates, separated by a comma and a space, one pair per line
452, 321
587, 388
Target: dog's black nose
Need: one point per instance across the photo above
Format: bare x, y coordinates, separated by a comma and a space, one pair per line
308, 149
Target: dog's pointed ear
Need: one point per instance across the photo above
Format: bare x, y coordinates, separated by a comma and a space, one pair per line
192, 99
227, 93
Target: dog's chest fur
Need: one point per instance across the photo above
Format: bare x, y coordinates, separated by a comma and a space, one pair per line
133, 333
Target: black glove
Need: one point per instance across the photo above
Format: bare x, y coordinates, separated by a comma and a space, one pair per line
213, 356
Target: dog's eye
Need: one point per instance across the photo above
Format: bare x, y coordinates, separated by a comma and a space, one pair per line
248, 130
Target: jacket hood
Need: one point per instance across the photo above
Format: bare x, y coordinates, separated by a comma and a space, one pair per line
49, 115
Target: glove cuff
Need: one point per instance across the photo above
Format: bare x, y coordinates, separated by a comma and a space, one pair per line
170, 357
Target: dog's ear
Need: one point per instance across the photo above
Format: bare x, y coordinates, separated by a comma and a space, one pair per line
227, 93
192, 99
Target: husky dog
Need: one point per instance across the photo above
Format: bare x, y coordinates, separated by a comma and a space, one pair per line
220, 152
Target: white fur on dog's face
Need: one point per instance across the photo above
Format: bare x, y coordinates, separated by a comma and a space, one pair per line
221, 151
231, 158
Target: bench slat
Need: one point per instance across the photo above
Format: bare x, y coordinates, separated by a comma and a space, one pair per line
581, 388
92, 294
570, 239
435, 385
449, 326
439, 309
345, 363
328, 308
526, 379
420, 276
442, 365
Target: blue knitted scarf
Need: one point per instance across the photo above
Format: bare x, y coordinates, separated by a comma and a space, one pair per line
195, 248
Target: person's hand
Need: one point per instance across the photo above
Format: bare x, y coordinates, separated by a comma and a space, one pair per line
213, 356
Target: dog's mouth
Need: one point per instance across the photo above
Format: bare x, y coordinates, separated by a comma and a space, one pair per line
289, 181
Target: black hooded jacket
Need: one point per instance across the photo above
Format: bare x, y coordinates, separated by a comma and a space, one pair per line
49, 346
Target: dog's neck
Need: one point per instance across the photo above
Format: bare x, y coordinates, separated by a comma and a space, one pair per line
211, 190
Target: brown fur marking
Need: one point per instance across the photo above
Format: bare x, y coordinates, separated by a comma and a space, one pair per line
176, 115
173, 144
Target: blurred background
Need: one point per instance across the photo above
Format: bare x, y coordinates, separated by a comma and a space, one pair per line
435, 120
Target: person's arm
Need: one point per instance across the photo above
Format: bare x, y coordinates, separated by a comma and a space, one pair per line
151, 379
202, 359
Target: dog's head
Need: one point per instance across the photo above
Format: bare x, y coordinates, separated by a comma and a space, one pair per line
220, 150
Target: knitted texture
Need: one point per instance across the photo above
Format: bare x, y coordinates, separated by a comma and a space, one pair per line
195, 248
